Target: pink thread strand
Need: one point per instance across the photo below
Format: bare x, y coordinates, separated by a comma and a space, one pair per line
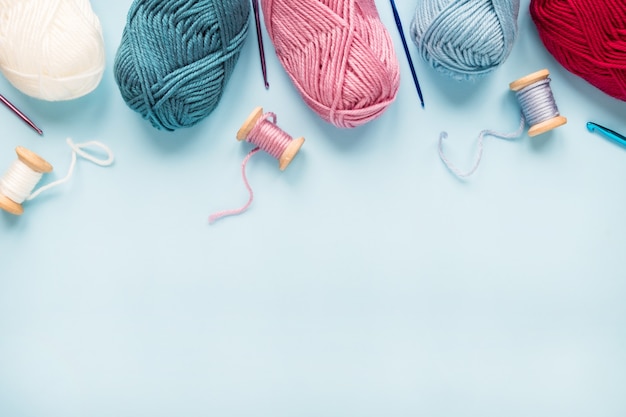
233, 212
264, 135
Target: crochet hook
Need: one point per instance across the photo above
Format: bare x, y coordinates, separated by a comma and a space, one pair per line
259, 35
20, 114
608, 133
406, 51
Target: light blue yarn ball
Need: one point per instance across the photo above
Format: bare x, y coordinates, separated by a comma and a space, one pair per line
176, 56
465, 39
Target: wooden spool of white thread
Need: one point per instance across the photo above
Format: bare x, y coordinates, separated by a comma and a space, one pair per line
18, 183
32, 161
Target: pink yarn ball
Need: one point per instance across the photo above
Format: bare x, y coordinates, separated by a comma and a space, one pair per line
338, 54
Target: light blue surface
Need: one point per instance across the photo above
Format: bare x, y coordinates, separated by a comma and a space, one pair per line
365, 280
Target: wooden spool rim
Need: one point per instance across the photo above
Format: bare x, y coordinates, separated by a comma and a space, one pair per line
529, 79
32, 160
10, 206
290, 153
248, 125
547, 125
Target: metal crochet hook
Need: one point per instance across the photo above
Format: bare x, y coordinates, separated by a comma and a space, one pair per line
259, 35
608, 133
406, 51
20, 114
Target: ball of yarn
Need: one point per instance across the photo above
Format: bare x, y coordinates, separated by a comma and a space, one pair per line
176, 56
338, 55
51, 49
465, 39
588, 38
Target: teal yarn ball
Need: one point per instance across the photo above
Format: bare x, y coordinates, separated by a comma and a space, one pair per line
465, 39
176, 57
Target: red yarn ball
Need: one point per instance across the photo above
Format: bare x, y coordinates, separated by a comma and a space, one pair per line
588, 38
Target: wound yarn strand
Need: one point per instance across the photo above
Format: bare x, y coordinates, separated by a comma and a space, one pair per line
587, 38
465, 39
537, 102
338, 54
176, 57
19, 181
51, 49
268, 137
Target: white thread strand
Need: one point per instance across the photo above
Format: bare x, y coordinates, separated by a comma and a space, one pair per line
18, 182
78, 149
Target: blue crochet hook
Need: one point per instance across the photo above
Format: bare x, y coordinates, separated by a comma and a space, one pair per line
396, 17
608, 133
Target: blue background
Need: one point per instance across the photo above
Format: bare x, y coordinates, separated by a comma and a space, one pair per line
365, 280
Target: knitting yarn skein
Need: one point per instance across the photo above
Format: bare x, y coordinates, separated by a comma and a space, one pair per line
338, 55
465, 39
176, 57
51, 49
588, 38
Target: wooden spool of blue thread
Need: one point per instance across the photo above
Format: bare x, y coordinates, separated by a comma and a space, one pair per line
526, 82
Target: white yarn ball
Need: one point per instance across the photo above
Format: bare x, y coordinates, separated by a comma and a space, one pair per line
51, 49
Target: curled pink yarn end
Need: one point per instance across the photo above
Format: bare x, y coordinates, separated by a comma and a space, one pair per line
338, 55
233, 212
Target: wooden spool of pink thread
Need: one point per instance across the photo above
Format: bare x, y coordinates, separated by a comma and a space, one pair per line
269, 137
260, 129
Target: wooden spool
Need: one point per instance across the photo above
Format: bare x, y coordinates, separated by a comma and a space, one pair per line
288, 154
34, 162
526, 81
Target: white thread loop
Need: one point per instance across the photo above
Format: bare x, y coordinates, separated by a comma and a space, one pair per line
79, 149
